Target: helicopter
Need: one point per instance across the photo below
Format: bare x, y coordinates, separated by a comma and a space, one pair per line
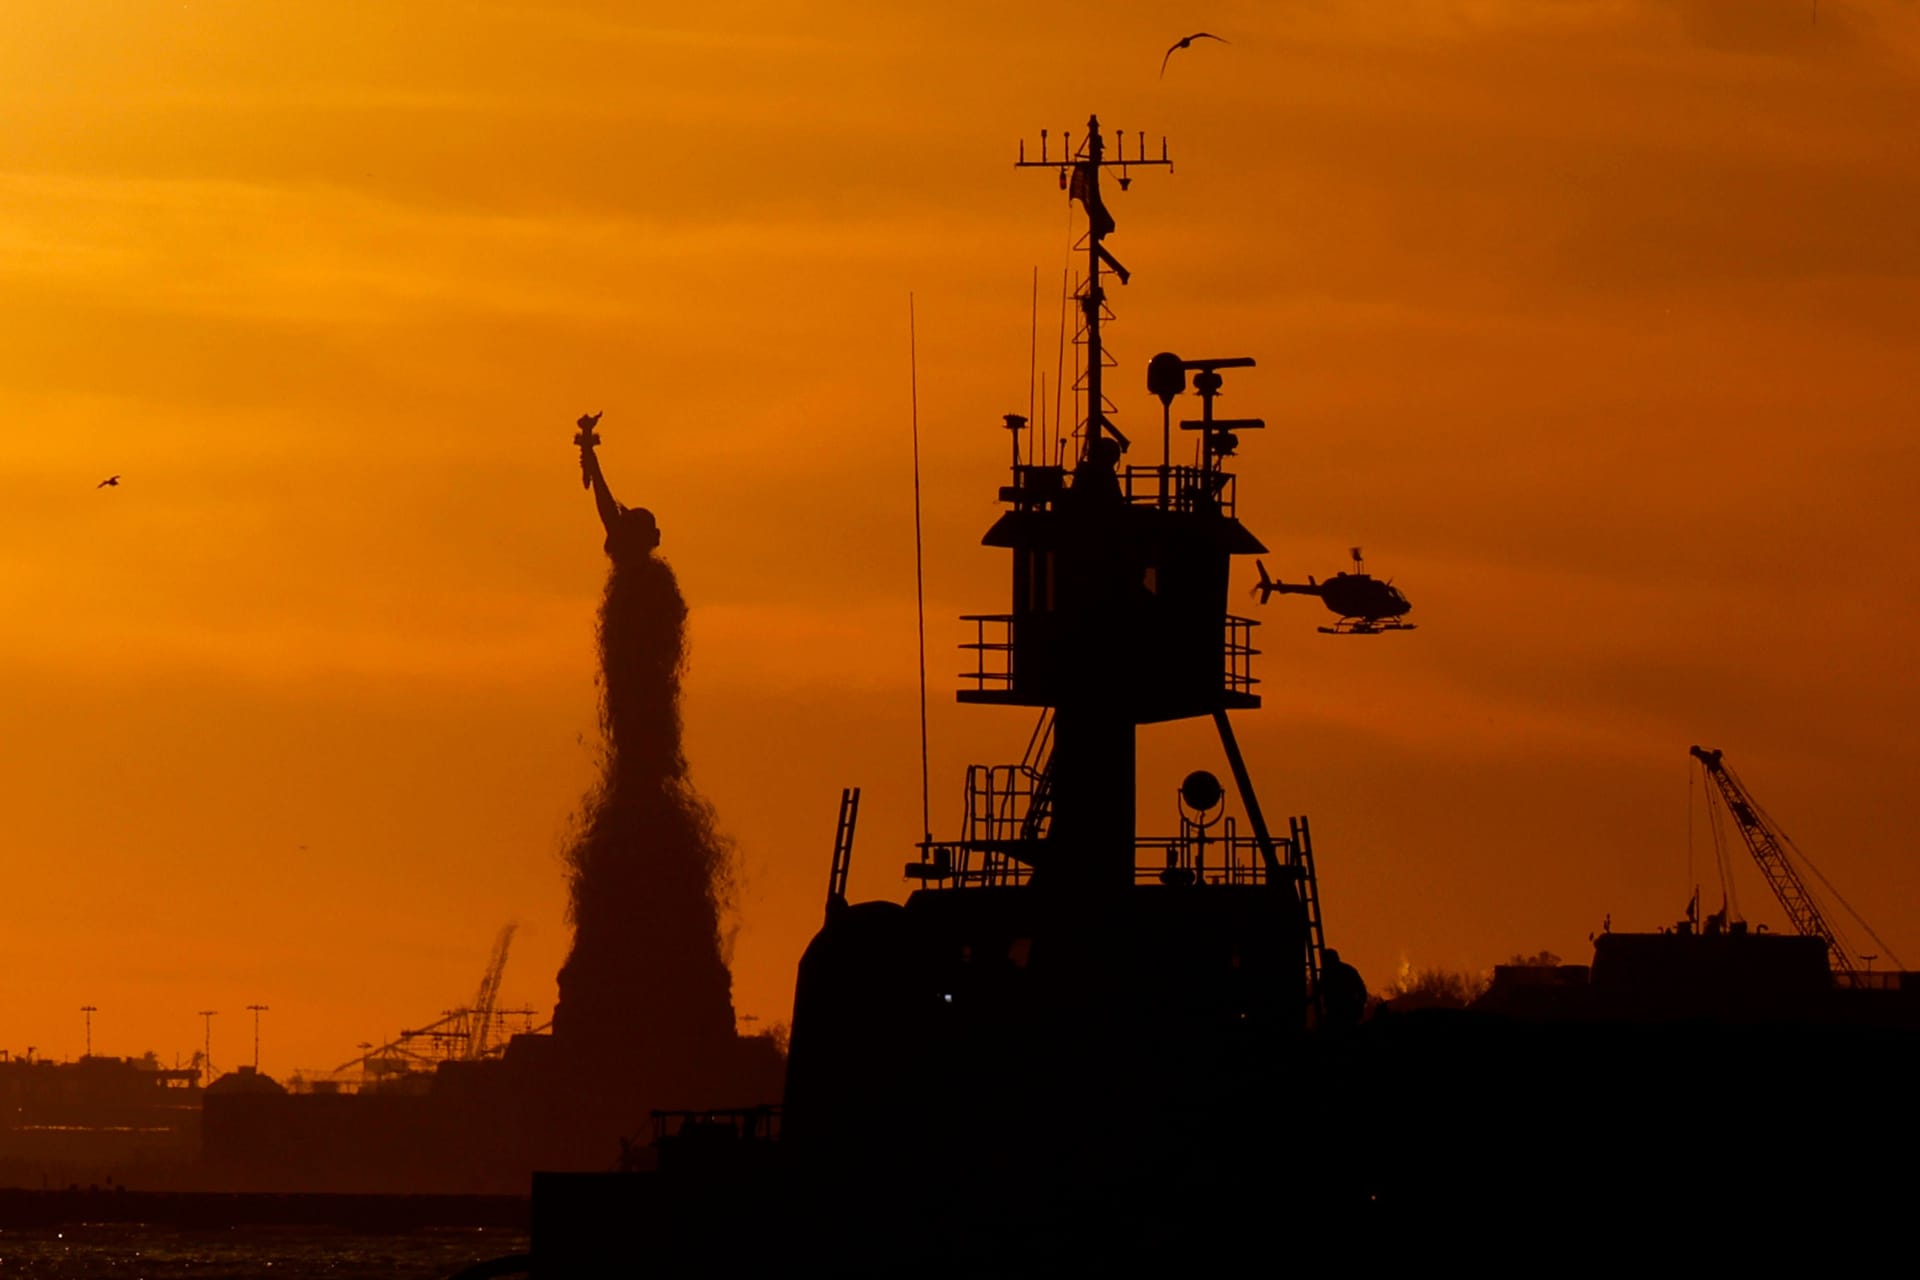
1366, 605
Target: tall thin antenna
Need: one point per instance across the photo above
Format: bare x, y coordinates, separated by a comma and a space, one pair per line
256, 1010
206, 1057
1060, 362
1033, 360
919, 567
1690, 772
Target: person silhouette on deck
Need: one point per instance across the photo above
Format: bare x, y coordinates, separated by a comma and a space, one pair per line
1344, 991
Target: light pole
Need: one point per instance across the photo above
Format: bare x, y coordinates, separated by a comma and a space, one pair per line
89, 1011
206, 1056
256, 1010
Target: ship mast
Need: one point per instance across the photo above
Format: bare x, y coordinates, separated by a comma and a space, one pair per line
1080, 176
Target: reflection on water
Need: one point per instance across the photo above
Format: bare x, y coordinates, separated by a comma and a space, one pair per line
250, 1253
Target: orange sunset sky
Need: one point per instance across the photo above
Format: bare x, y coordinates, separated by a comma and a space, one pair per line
1594, 321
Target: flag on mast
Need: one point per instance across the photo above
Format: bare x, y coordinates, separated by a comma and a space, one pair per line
1086, 189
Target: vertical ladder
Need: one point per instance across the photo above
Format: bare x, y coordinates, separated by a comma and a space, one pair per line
842, 850
1040, 804
1038, 766
1301, 843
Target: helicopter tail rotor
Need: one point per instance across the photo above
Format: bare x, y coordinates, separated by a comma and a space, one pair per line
1266, 586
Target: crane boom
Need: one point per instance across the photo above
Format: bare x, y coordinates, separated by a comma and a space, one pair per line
1769, 851
481, 1018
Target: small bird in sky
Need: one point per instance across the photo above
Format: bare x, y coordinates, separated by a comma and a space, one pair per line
1187, 43
109, 483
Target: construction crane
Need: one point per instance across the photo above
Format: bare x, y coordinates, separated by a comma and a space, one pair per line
1776, 855
464, 1034
480, 1024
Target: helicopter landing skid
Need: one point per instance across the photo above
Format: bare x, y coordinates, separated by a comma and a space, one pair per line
1366, 627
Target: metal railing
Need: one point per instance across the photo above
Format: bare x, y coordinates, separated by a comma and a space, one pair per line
738, 1124
1187, 489
992, 650
954, 864
993, 642
999, 798
1214, 856
1240, 654
1204, 855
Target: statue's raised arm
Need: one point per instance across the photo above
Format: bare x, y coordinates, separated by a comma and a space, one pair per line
630, 531
590, 475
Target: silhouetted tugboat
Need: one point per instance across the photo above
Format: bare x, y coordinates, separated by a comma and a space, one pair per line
1062, 1002
1054, 965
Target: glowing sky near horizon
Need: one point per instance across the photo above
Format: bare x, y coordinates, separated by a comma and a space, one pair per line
1594, 321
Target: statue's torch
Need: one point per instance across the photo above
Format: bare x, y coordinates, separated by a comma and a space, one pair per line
587, 438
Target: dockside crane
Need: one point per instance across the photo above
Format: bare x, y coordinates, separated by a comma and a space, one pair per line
464, 1034
1770, 849
481, 1025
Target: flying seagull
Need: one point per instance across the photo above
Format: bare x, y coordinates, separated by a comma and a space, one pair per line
1187, 43
109, 482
